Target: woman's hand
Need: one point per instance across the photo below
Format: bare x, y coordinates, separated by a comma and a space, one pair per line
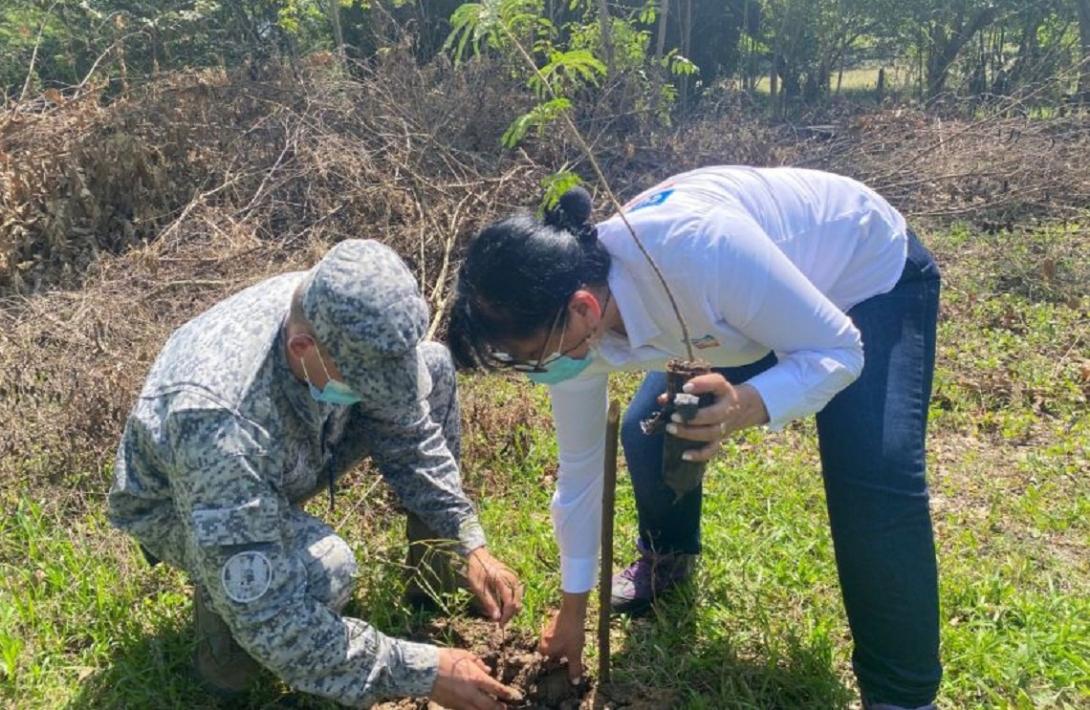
564, 636
494, 584
735, 408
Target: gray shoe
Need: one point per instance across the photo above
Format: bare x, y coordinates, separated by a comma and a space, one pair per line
223, 666
637, 587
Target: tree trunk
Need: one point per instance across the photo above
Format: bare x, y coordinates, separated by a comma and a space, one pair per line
660, 42
686, 48
1083, 7
773, 82
945, 47
660, 47
1028, 50
334, 8
752, 71
747, 49
777, 95
999, 52
920, 74
606, 28
122, 66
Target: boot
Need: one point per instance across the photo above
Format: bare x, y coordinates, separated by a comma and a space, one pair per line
636, 588
223, 666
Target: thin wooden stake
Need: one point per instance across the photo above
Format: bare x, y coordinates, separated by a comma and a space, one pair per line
609, 490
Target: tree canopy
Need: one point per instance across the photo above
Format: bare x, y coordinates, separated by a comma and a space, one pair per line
796, 51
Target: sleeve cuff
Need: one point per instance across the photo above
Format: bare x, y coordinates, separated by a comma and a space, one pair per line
577, 574
471, 535
775, 386
415, 666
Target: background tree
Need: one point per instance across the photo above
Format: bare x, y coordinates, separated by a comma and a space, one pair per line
794, 52
1083, 9
946, 29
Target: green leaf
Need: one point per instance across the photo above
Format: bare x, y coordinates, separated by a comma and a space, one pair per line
538, 117
556, 185
465, 25
682, 66
577, 66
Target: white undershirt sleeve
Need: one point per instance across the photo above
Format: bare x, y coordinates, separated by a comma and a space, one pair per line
579, 415
764, 296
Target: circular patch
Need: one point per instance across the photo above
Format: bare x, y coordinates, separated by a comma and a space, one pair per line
246, 576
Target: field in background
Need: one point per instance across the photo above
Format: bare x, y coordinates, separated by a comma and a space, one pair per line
85, 623
861, 79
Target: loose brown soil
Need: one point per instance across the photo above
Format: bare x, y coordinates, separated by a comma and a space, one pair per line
543, 683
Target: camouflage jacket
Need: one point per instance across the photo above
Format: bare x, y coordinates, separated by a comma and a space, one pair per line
223, 439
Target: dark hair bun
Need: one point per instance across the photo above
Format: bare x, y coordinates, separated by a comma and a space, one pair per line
576, 204
572, 212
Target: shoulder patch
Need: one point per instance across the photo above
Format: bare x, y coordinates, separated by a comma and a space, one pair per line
246, 576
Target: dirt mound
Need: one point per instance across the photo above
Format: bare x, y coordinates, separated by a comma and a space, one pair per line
544, 684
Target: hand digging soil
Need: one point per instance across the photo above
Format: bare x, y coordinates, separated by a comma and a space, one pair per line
514, 661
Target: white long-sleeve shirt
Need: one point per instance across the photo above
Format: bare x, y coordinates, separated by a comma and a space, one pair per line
759, 260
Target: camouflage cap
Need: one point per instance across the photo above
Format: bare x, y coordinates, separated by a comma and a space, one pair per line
366, 309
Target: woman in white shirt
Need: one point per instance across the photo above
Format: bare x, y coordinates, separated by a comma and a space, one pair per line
785, 277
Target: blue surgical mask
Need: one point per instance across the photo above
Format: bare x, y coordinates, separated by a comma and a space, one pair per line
560, 369
335, 392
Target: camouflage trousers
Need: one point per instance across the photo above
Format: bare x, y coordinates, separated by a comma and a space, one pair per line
331, 567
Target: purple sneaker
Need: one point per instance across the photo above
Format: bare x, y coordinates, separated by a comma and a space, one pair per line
637, 587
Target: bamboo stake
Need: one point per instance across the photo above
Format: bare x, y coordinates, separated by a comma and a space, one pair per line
609, 490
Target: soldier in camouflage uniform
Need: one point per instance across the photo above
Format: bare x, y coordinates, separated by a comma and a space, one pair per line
262, 402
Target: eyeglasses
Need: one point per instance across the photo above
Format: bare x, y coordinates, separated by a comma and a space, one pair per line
510, 363
506, 361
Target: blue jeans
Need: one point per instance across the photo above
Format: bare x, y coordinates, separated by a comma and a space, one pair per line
871, 437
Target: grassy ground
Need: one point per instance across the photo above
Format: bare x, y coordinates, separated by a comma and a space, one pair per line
85, 623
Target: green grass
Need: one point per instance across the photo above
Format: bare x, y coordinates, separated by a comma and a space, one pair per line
85, 623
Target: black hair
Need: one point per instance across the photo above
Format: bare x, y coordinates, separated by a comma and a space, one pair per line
519, 273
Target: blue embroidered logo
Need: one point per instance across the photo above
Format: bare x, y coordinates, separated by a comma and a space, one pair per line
653, 200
